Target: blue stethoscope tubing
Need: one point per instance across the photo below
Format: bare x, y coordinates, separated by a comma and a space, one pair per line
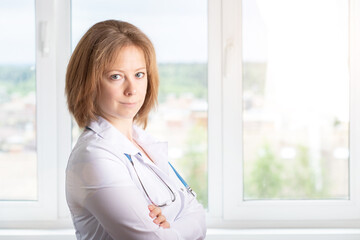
188, 188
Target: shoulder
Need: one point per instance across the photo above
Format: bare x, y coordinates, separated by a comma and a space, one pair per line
95, 163
90, 146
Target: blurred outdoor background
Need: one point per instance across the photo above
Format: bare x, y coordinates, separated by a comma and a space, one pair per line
295, 92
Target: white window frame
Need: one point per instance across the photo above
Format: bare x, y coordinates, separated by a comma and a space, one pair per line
225, 137
224, 97
53, 124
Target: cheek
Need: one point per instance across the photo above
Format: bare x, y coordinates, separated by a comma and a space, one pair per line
107, 94
144, 88
109, 90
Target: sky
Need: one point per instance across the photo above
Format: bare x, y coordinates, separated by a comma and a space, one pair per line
178, 29
17, 32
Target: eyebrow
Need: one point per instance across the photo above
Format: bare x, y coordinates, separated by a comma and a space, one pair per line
140, 68
115, 69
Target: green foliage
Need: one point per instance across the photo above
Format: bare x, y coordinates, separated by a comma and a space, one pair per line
272, 178
175, 78
254, 75
17, 79
180, 78
264, 180
304, 178
194, 162
189, 78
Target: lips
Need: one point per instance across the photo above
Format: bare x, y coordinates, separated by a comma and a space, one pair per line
128, 104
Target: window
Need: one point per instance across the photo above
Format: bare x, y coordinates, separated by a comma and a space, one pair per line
18, 156
295, 100
28, 161
34, 145
229, 121
288, 155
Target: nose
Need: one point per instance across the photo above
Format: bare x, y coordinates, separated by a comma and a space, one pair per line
130, 88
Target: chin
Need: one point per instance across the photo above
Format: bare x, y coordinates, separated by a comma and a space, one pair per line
126, 116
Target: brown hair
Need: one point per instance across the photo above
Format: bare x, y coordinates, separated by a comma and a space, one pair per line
95, 51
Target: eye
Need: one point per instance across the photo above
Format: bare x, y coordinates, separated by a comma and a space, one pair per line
140, 75
116, 77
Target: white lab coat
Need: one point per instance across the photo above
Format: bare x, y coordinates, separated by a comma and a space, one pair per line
106, 199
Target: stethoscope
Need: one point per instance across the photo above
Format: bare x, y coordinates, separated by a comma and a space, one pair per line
173, 196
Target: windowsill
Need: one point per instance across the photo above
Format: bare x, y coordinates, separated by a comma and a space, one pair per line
212, 234
284, 234
37, 234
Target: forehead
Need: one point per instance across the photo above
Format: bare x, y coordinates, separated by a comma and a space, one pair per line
128, 56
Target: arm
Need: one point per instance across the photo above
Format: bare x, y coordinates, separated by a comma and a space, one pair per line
192, 218
115, 201
155, 212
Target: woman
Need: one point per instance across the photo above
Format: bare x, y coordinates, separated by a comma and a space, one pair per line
119, 184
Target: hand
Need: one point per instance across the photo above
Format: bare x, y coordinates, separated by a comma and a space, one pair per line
155, 212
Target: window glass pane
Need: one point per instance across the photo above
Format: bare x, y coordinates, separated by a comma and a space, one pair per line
18, 159
295, 99
178, 31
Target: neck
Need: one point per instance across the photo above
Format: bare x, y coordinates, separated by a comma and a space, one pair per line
123, 125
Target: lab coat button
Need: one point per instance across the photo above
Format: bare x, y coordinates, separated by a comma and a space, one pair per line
181, 189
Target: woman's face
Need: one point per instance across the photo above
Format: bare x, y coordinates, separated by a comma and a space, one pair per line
123, 85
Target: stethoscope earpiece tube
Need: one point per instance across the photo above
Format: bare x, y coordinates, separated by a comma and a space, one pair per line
188, 188
167, 203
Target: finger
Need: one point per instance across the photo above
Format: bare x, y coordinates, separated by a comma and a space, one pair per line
155, 212
165, 224
160, 219
151, 207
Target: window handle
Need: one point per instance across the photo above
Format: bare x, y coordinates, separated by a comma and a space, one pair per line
228, 57
44, 38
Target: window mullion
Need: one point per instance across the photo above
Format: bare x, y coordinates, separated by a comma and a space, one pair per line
215, 114
63, 53
354, 61
232, 106
46, 112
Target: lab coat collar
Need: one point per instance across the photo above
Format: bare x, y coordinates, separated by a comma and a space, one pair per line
107, 131
157, 150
